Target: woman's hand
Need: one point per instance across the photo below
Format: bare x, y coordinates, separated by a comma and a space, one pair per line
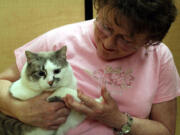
38, 112
106, 111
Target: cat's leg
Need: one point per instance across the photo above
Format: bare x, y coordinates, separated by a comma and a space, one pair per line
39, 131
74, 119
62, 92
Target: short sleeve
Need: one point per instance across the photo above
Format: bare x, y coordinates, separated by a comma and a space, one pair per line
169, 81
38, 44
70, 34
49, 41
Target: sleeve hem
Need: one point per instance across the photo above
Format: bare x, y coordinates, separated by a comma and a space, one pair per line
17, 63
164, 99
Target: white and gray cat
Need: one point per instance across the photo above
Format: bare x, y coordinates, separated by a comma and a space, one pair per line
45, 71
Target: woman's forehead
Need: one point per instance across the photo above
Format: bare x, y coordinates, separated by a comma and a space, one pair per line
115, 18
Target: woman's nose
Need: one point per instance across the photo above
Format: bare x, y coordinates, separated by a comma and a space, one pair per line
109, 43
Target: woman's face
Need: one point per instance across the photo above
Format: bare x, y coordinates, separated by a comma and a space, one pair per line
114, 40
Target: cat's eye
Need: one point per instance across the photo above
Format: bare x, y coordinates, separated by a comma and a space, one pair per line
56, 71
41, 73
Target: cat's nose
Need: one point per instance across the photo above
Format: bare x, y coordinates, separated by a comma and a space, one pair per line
50, 83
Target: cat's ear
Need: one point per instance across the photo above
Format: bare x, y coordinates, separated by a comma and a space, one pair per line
62, 52
30, 56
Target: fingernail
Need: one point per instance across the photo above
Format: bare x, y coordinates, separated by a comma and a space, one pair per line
103, 90
80, 92
70, 99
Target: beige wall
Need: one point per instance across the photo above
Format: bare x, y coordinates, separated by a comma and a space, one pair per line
23, 20
173, 38
173, 41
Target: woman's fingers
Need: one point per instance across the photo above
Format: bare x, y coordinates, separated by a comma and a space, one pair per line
105, 112
106, 96
63, 112
57, 123
39, 112
78, 106
88, 101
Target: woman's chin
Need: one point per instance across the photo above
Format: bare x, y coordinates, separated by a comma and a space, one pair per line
108, 57
105, 56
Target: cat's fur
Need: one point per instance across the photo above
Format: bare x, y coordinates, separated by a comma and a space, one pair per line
44, 71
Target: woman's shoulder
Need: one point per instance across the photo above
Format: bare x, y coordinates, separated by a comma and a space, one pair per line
164, 52
70, 31
72, 28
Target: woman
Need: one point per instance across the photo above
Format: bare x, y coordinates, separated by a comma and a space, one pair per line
118, 56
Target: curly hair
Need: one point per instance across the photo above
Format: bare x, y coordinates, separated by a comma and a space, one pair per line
152, 16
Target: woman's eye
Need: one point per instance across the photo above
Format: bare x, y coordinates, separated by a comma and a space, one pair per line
105, 26
57, 71
107, 29
41, 73
120, 38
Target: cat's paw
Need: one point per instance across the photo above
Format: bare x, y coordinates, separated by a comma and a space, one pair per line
54, 99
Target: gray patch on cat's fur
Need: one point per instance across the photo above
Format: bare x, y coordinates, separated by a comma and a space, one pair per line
34, 67
36, 62
59, 57
55, 99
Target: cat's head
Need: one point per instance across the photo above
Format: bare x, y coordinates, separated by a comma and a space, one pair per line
45, 70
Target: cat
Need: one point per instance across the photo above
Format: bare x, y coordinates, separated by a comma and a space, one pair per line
43, 71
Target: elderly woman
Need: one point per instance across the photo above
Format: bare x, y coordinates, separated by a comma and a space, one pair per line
118, 56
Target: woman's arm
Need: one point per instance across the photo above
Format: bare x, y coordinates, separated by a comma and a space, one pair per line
6, 78
11, 74
36, 111
165, 113
162, 122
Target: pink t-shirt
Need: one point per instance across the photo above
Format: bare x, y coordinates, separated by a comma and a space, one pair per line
135, 82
